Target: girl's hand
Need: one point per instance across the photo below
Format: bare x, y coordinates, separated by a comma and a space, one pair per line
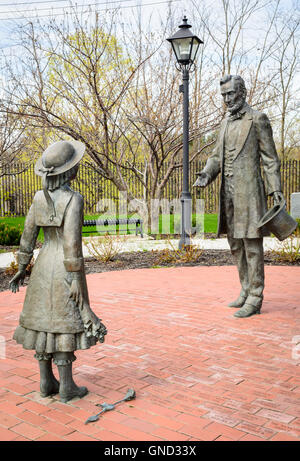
16, 280
76, 292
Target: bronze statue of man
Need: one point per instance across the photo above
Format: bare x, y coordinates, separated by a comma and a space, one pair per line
245, 142
56, 318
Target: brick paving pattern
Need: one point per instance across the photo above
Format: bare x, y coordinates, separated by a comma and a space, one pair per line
198, 372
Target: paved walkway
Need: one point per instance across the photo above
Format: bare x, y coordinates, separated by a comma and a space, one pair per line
199, 373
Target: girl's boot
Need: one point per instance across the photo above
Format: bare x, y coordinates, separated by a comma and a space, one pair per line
67, 389
48, 383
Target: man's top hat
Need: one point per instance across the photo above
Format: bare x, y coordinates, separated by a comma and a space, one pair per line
278, 221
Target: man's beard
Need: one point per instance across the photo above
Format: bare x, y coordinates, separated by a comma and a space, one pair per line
237, 106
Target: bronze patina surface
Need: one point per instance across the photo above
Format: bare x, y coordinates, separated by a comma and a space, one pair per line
244, 143
56, 318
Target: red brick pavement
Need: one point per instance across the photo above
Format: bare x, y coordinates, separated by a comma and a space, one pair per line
199, 373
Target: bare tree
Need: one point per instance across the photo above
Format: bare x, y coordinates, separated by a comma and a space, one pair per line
260, 41
155, 114
72, 80
116, 90
288, 102
13, 143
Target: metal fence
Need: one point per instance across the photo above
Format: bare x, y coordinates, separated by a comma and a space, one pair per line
19, 184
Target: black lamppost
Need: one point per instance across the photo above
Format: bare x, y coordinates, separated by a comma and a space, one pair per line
185, 46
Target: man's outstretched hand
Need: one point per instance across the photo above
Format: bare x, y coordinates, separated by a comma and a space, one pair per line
202, 180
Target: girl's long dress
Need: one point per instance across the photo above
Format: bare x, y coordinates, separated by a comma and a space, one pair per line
50, 321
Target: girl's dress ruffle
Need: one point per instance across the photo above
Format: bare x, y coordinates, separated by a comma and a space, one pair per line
44, 342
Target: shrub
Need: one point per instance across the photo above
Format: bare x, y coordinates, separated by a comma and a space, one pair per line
187, 254
104, 248
10, 235
289, 249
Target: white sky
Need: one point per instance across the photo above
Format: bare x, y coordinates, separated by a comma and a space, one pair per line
16, 10
13, 12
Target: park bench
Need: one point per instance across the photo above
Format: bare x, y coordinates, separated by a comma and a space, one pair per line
137, 222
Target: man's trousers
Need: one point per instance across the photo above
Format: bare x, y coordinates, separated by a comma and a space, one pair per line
248, 253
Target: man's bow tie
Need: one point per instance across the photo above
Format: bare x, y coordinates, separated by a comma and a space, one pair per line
237, 115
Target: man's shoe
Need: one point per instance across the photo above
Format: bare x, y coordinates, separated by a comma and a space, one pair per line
239, 302
247, 310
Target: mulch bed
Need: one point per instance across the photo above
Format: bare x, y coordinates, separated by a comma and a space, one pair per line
152, 259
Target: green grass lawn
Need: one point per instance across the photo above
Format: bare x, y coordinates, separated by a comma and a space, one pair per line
167, 224
19, 220
211, 223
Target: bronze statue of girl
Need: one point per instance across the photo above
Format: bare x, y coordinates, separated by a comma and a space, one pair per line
56, 319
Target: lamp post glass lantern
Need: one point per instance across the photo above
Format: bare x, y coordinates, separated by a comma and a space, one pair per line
185, 46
